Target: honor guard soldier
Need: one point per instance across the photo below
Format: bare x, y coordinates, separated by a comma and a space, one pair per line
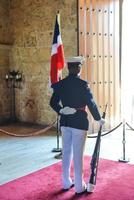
70, 98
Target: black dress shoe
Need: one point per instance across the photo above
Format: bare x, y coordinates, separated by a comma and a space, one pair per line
69, 187
80, 193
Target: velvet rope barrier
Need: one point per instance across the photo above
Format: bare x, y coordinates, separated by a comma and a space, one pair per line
29, 134
95, 136
130, 126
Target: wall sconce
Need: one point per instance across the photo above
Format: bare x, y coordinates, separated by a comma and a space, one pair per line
14, 79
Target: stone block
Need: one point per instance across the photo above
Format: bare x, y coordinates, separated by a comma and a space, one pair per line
30, 39
32, 26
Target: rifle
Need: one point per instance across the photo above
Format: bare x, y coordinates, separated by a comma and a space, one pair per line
95, 159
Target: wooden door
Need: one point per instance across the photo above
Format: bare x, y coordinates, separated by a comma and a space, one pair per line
99, 44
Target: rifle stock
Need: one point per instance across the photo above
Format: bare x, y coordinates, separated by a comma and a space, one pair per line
95, 158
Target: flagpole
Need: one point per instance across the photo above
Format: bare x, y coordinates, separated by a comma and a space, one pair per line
58, 149
59, 68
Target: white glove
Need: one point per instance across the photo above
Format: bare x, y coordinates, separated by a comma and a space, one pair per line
67, 111
101, 121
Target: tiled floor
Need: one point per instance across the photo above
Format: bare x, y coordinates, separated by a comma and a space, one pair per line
20, 156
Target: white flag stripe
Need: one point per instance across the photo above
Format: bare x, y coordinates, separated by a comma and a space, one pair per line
55, 46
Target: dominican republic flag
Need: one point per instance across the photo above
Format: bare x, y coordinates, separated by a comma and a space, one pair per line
57, 53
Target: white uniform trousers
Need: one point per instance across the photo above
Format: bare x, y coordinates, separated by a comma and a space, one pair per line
73, 141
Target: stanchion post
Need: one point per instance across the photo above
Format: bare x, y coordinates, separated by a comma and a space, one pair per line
124, 159
57, 149
58, 156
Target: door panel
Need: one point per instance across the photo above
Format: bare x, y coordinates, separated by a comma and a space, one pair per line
99, 44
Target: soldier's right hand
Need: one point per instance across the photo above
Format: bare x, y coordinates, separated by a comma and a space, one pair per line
101, 121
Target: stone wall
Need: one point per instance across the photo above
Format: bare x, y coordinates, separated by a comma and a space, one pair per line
32, 25
5, 97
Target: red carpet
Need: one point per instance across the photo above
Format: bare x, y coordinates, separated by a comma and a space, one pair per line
115, 182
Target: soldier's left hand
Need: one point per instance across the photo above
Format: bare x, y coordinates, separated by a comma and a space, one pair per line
67, 111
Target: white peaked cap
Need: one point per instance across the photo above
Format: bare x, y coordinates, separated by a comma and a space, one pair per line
76, 59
